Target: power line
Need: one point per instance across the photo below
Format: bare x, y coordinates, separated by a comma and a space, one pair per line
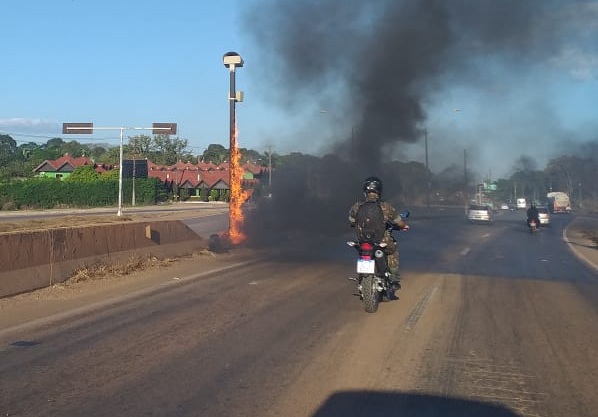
81, 140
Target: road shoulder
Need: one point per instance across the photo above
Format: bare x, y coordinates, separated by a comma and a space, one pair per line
578, 236
58, 299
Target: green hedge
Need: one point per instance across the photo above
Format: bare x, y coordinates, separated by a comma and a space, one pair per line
44, 193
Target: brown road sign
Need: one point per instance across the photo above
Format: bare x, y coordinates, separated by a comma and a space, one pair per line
77, 128
164, 128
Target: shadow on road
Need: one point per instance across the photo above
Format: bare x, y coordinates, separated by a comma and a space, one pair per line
397, 404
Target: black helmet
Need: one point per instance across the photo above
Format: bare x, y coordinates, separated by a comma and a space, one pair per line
372, 185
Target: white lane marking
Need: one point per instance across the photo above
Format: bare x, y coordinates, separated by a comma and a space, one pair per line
465, 251
486, 235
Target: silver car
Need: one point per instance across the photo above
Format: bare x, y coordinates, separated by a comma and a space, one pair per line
479, 213
543, 215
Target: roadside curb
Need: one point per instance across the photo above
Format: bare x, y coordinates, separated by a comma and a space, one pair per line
582, 247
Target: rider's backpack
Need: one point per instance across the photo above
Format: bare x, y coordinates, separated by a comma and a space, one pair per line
369, 221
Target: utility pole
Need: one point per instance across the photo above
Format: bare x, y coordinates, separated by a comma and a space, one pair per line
465, 192
428, 185
269, 171
232, 61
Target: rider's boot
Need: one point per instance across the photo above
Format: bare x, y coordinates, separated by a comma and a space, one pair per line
395, 281
393, 285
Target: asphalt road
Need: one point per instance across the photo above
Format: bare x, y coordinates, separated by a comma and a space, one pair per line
491, 321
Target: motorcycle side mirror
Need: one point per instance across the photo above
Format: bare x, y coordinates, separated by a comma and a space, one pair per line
404, 214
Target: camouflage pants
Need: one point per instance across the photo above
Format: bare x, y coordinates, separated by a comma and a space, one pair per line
392, 255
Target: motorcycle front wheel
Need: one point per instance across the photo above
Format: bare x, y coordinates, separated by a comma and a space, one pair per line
369, 294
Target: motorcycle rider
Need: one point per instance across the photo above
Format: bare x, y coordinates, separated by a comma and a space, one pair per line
372, 191
532, 213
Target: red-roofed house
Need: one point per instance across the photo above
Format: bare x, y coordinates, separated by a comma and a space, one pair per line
207, 166
64, 166
200, 181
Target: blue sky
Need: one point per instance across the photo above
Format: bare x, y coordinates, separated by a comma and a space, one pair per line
118, 63
131, 63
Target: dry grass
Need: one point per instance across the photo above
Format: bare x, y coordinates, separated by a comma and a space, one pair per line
60, 222
103, 271
135, 263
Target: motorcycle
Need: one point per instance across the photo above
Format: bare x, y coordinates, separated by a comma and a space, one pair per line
373, 275
533, 225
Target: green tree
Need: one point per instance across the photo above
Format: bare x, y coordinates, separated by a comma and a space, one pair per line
74, 149
168, 150
530, 184
249, 155
54, 143
96, 152
215, 153
85, 173
112, 155
27, 149
412, 181
40, 153
141, 146
111, 175
8, 149
450, 184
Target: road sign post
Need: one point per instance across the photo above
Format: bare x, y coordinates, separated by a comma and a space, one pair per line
88, 128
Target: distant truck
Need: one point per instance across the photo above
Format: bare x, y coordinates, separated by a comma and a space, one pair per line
521, 203
558, 202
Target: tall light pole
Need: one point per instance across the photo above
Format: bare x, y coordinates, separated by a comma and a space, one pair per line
429, 185
232, 60
465, 179
88, 128
270, 171
120, 175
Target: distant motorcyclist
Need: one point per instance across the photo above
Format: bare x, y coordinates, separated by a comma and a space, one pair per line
389, 219
532, 214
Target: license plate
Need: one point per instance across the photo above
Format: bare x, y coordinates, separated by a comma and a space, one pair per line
366, 266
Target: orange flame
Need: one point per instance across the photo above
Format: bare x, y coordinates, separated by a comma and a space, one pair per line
237, 194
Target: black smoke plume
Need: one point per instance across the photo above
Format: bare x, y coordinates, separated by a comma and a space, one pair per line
383, 62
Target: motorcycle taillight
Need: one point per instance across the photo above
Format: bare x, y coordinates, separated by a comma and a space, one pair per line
366, 246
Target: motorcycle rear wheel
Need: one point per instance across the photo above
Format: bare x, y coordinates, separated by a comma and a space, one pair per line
369, 294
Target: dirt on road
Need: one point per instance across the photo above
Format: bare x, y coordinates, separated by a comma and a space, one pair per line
286, 338
451, 345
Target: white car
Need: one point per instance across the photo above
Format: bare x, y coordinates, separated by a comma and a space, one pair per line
504, 206
479, 213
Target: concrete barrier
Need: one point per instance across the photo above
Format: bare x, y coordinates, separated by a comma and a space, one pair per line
37, 259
